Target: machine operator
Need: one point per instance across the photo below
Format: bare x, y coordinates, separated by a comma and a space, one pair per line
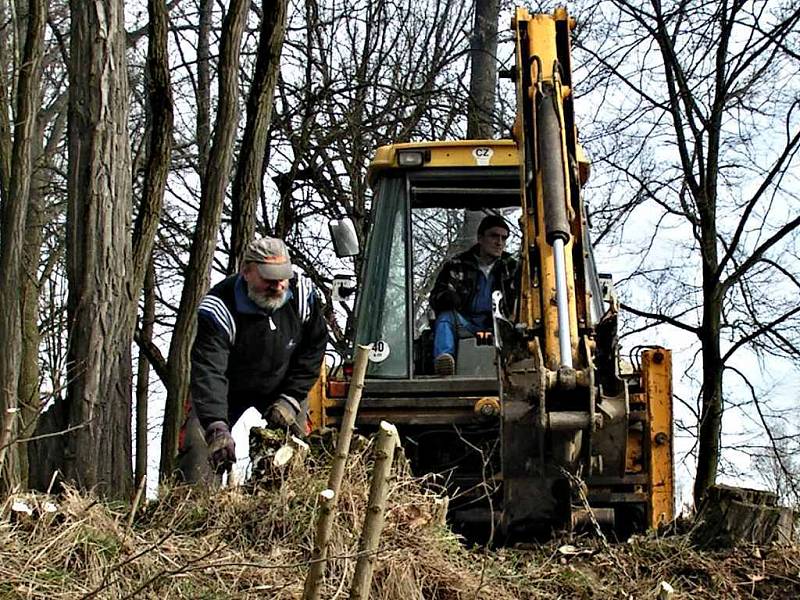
462, 294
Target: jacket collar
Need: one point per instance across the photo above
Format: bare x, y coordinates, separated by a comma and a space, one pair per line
472, 256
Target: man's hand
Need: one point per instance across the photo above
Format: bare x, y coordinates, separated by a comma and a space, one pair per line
283, 414
221, 447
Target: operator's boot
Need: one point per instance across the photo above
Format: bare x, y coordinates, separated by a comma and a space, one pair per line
444, 365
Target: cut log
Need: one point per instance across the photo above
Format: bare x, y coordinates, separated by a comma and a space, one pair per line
292, 452
732, 516
274, 458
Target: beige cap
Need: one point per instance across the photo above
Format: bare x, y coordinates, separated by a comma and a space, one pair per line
270, 257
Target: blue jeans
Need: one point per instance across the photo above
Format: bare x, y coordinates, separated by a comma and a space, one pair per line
447, 325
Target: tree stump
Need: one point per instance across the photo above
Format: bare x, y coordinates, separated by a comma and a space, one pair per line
274, 457
732, 516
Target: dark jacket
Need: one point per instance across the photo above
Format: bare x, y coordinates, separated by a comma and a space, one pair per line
245, 356
457, 282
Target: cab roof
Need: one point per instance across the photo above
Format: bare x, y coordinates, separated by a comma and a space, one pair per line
453, 154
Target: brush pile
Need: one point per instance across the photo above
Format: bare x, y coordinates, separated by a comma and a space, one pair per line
255, 541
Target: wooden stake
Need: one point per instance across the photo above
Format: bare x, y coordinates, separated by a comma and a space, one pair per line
376, 510
328, 510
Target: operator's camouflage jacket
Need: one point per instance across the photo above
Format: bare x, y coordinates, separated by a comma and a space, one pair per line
457, 282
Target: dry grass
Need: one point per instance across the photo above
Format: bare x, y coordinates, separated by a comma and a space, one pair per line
235, 543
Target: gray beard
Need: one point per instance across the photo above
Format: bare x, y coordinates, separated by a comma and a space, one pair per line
267, 302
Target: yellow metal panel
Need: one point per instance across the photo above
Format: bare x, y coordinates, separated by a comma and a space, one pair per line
541, 43
634, 451
657, 381
454, 153
316, 400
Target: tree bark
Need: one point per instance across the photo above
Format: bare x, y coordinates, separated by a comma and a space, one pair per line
204, 240
483, 77
101, 305
203, 123
710, 426
143, 376
482, 92
159, 149
29, 377
731, 517
160, 112
5, 103
34, 459
248, 182
12, 240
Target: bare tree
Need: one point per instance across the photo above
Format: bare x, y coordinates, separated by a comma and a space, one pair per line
51, 130
694, 145
377, 73
158, 163
106, 264
97, 408
204, 240
249, 181
16, 198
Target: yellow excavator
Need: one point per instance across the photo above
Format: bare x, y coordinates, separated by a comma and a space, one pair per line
543, 427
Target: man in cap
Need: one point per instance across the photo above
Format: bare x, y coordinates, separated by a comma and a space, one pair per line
260, 341
462, 294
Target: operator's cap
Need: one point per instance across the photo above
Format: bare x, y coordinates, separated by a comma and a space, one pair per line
270, 257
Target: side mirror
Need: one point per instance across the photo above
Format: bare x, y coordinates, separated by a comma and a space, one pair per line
342, 288
343, 235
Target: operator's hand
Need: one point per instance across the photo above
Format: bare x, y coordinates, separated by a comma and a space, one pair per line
221, 447
283, 414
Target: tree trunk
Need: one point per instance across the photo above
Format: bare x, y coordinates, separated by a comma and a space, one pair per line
387, 441
248, 182
204, 240
101, 306
483, 77
330, 497
38, 454
143, 375
710, 425
482, 90
206, 8
160, 113
5, 103
12, 240
159, 148
733, 516
28, 388
708, 443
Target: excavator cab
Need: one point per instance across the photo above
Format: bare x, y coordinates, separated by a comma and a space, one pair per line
543, 429
419, 223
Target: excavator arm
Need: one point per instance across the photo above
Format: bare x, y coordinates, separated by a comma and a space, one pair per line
567, 416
